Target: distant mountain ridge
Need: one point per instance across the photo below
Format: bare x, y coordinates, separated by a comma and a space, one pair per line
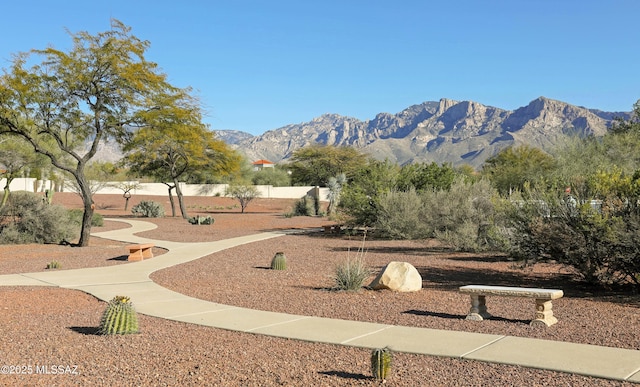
456, 132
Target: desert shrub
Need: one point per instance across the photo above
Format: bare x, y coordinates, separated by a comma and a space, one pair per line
148, 209
464, 216
26, 218
359, 198
351, 273
401, 215
244, 193
305, 207
600, 242
272, 176
75, 215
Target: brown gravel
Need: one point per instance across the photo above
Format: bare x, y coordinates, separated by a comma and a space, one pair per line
50, 326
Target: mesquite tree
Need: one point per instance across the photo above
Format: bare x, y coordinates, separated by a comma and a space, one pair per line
64, 104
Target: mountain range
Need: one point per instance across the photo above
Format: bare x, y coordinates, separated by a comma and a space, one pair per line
445, 131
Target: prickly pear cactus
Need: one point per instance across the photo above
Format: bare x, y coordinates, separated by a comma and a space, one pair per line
279, 261
120, 317
381, 363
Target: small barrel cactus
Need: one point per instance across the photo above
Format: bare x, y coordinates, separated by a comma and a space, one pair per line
279, 261
381, 363
120, 317
54, 265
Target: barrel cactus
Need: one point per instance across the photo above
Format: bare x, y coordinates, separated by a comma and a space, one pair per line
120, 317
381, 363
279, 261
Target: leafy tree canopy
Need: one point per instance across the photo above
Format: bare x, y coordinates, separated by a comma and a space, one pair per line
314, 165
511, 168
59, 102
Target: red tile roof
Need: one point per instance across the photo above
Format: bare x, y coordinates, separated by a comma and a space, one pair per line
262, 162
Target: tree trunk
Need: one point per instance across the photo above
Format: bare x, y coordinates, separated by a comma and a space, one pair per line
183, 210
87, 216
5, 197
173, 204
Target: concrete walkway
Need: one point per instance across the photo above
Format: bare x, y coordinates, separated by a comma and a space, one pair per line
132, 279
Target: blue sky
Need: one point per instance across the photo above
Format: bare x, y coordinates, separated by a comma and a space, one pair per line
259, 65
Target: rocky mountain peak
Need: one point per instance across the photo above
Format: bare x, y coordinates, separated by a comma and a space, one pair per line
445, 131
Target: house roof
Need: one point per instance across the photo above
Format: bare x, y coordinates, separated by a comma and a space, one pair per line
262, 162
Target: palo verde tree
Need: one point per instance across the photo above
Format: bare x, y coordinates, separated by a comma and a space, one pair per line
176, 145
512, 167
59, 102
314, 165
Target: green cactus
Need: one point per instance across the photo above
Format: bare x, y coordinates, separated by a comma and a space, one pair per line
54, 265
381, 363
279, 261
120, 317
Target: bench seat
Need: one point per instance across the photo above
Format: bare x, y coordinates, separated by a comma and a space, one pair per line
543, 297
140, 252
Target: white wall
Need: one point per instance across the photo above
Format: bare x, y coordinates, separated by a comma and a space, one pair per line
159, 189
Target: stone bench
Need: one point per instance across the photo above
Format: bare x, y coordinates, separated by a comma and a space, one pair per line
543, 297
140, 252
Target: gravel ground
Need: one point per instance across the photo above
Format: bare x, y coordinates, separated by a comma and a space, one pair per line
57, 327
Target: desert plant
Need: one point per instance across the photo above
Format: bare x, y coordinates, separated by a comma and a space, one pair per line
381, 359
351, 273
201, 220
304, 207
119, 318
54, 265
464, 216
148, 209
244, 193
26, 218
75, 215
279, 261
401, 215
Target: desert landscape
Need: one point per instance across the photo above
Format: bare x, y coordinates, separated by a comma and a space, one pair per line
58, 327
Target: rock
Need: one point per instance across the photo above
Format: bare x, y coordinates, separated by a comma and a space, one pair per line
398, 276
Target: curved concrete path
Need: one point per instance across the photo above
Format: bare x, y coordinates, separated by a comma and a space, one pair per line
154, 300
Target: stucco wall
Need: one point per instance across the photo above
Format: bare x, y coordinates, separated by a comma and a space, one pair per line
159, 189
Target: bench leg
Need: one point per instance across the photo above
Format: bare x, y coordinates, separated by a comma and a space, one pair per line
147, 253
478, 311
544, 314
135, 256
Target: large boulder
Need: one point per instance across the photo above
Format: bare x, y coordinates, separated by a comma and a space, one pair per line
398, 276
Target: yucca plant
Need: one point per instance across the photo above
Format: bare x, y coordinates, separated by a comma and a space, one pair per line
351, 273
279, 261
120, 317
381, 363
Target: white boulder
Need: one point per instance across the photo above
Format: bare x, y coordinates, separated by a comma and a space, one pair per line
398, 276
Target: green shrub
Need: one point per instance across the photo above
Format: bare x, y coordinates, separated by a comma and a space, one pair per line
26, 218
75, 215
600, 242
148, 209
464, 216
401, 215
305, 207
